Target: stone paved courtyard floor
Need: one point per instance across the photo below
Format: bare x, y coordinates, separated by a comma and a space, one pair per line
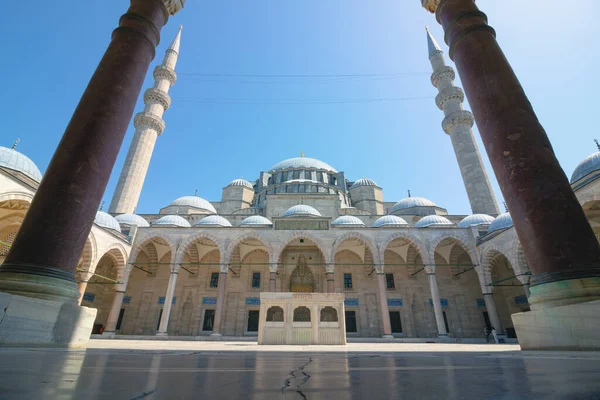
116, 369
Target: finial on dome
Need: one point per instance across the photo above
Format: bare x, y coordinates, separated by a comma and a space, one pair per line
302, 154
14, 146
196, 193
408, 192
102, 206
595, 141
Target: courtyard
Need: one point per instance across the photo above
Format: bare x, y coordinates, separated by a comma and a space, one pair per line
146, 369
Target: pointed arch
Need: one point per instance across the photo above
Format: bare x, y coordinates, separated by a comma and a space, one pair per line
183, 246
143, 240
353, 235
248, 235
487, 258
416, 242
304, 235
458, 241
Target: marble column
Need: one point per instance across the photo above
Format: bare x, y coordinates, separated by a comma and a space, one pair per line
383, 305
490, 306
330, 270
220, 301
164, 319
115, 308
435, 298
565, 262
82, 285
62, 212
272, 277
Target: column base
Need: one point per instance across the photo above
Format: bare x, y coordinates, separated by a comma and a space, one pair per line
37, 285
30, 322
161, 334
568, 327
561, 293
109, 334
216, 334
388, 336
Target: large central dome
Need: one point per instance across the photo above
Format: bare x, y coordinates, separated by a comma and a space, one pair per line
302, 162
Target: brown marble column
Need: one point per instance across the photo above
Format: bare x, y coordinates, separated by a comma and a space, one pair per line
557, 239
44, 255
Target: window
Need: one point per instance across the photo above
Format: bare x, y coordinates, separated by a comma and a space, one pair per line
209, 320
252, 321
296, 174
329, 314
214, 280
275, 314
351, 322
320, 176
302, 188
302, 314
347, 281
389, 278
256, 280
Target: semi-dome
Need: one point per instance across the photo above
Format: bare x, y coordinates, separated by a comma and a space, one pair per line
256, 220
348, 220
240, 182
107, 221
132, 219
12, 159
502, 221
586, 167
301, 210
364, 182
476, 220
432, 220
302, 162
195, 202
216, 220
172, 220
411, 202
389, 221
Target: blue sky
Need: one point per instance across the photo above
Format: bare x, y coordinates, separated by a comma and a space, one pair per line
51, 50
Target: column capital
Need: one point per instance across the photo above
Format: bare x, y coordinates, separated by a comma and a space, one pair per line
330, 268
224, 268
429, 269
173, 6
273, 267
430, 5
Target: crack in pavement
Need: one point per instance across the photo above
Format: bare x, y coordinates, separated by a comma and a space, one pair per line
288, 382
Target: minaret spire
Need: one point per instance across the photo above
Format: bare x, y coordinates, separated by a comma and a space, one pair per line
457, 124
148, 126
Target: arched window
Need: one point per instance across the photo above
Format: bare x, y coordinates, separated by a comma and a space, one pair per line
275, 314
329, 314
302, 314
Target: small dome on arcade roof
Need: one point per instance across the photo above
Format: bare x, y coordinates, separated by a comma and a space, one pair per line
12, 159
502, 221
475, 220
107, 221
432, 220
132, 219
411, 202
348, 220
390, 221
255, 220
215, 220
172, 220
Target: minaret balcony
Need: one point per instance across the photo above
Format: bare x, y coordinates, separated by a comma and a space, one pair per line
453, 93
157, 96
162, 72
443, 73
463, 117
145, 120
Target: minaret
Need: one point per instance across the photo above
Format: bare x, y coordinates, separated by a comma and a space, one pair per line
148, 126
457, 125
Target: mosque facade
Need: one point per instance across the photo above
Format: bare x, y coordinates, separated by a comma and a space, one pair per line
407, 268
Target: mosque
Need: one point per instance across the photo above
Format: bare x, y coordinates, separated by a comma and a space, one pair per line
196, 268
